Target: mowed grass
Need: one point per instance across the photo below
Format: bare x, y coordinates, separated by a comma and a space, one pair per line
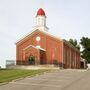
7, 75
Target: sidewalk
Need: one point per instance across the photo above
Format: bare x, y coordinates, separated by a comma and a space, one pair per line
55, 80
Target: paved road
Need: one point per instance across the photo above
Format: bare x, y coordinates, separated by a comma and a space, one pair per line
55, 80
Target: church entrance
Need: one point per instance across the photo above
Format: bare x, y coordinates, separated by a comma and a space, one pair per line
42, 57
31, 60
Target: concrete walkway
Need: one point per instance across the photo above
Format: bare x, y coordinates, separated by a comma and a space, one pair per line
55, 80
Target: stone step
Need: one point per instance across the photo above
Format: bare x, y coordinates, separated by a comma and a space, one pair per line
34, 67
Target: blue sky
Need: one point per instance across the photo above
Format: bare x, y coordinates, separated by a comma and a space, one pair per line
65, 18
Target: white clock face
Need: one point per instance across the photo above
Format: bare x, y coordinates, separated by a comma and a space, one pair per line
38, 38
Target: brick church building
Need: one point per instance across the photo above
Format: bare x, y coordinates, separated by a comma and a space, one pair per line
40, 47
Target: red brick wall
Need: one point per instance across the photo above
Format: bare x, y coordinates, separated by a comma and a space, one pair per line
55, 50
31, 51
52, 46
71, 57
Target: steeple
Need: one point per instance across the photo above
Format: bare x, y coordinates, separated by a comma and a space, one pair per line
41, 12
41, 20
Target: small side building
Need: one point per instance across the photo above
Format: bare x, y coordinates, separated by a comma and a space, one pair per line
83, 63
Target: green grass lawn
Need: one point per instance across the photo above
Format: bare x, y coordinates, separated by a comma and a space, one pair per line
7, 75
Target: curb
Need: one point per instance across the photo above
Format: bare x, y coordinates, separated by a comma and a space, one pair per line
23, 78
4, 83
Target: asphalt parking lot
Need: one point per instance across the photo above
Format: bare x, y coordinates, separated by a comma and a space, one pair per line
54, 80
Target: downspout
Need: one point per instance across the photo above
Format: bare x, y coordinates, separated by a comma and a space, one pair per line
62, 55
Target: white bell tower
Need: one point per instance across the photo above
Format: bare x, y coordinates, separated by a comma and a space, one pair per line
41, 20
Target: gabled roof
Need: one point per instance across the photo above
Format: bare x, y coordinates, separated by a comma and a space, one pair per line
69, 44
33, 31
34, 47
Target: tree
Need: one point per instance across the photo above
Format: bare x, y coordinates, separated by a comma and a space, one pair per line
85, 42
74, 43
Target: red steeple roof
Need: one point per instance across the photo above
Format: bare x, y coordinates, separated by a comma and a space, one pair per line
41, 12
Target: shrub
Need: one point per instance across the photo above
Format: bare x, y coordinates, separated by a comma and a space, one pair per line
55, 62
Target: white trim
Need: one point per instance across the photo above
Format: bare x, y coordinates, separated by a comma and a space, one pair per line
29, 34
33, 47
82, 59
69, 44
42, 49
54, 36
25, 36
29, 46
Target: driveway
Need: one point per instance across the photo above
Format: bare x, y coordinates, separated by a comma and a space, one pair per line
55, 80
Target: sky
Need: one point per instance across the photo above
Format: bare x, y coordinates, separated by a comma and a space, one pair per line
65, 18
